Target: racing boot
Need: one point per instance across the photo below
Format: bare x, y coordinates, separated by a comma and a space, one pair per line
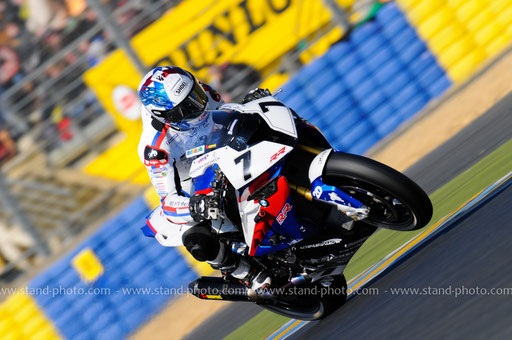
238, 267
261, 281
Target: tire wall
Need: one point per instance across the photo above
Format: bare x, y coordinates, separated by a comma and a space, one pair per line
388, 69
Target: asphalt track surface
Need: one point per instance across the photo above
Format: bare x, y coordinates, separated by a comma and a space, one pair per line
474, 253
466, 148
478, 139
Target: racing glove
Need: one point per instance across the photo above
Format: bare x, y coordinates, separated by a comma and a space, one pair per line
257, 93
203, 207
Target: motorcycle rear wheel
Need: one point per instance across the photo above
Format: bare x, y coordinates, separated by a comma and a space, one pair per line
395, 201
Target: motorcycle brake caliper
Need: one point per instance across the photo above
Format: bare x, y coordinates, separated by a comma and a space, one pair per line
356, 214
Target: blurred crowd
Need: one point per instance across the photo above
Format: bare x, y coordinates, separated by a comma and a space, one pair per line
234, 80
32, 31
32, 34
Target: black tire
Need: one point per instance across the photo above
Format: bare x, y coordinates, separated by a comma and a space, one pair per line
311, 307
398, 203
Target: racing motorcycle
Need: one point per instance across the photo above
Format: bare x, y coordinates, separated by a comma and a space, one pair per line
293, 206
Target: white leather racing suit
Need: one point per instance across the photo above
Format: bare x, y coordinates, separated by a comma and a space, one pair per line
162, 150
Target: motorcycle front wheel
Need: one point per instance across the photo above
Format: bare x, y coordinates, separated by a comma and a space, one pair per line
395, 201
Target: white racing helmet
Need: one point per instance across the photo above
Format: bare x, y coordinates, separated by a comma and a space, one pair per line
173, 96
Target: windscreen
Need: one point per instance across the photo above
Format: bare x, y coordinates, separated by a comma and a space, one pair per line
241, 130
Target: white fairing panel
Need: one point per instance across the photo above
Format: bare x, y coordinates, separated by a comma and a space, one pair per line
317, 165
277, 115
242, 167
248, 211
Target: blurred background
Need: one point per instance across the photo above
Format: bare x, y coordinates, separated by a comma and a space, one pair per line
73, 193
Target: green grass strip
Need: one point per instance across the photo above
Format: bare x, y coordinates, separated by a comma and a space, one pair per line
445, 200
259, 326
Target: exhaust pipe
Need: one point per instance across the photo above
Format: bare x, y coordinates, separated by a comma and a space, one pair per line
216, 288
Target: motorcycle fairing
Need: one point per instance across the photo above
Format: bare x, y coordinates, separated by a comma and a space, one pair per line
275, 226
250, 189
202, 184
249, 147
279, 204
250, 141
242, 167
277, 115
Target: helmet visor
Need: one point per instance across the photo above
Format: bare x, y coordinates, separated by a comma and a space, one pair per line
191, 107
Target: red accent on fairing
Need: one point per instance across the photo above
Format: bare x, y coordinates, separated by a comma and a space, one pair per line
204, 191
258, 182
276, 203
274, 156
282, 216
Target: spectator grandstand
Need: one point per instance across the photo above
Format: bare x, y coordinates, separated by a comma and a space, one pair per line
45, 47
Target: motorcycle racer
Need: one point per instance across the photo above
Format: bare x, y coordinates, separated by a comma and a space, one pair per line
175, 120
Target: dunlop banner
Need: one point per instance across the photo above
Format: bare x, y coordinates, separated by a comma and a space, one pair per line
199, 33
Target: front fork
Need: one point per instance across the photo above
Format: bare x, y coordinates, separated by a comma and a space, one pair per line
332, 195
341, 200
